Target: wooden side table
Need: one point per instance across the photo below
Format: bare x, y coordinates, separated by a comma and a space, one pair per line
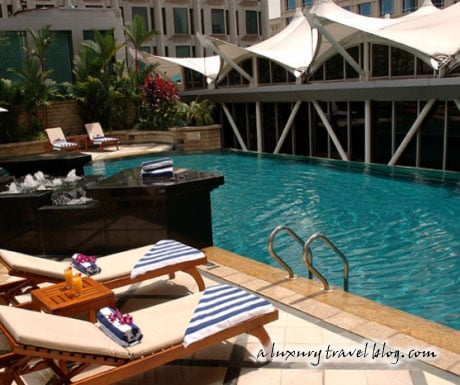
57, 299
82, 140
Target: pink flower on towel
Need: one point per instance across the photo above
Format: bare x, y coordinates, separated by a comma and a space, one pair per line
81, 258
122, 318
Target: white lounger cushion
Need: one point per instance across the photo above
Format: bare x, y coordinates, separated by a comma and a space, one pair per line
162, 325
57, 332
113, 265
34, 265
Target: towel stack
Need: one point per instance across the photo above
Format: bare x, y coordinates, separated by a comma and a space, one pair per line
85, 263
162, 167
119, 327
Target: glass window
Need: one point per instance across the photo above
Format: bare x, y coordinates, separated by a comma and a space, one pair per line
409, 6
334, 68
402, 62
380, 60
182, 51
387, 7
308, 3
142, 12
423, 68
12, 53
218, 21
59, 57
347, 8
438, 3
163, 20
264, 71
365, 9
355, 53
252, 24
180, 20
291, 4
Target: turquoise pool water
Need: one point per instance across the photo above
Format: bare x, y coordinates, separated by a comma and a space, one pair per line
400, 234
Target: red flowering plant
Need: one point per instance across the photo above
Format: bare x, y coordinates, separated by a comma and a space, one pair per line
160, 108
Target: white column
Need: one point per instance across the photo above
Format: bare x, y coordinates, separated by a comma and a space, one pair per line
367, 132
259, 127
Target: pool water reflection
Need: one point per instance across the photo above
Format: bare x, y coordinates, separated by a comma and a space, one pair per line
400, 234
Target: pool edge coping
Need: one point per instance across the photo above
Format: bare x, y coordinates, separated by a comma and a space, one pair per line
355, 314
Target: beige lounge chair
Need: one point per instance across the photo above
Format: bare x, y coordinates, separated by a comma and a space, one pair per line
96, 136
69, 346
115, 271
58, 142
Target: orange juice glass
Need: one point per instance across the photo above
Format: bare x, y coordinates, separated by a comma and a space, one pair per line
68, 277
77, 284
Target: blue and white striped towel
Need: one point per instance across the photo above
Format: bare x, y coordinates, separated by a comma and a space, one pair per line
103, 139
161, 172
221, 307
166, 252
60, 144
156, 164
122, 333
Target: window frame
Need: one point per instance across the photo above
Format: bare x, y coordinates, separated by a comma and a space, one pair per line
177, 17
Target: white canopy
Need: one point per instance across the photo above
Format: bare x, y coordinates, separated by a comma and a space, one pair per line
328, 29
293, 48
426, 32
171, 67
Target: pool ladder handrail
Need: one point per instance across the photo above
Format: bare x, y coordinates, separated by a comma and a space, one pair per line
307, 256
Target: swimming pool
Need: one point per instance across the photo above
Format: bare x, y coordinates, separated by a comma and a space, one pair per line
400, 233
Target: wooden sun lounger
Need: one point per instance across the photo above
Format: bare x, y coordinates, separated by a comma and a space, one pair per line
57, 140
95, 133
116, 270
69, 346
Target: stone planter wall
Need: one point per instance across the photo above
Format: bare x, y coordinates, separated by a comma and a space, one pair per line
23, 148
180, 138
64, 114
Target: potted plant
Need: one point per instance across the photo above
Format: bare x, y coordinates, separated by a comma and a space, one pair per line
199, 113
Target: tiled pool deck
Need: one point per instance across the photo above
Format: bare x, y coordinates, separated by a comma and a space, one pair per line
320, 338
313, 342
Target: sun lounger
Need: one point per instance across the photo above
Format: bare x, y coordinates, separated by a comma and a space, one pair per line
97, 136
70, 346
116, 270
58, 142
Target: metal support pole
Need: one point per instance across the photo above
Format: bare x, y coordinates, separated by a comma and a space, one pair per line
330, 130
457, 102
234, 127
287, 127
411, 132
207, 43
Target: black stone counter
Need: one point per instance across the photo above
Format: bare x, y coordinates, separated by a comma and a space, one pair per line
126, 211
129, 211
56, 163
137, 211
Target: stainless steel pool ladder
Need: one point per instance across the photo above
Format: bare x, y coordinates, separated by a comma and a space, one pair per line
307, 256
